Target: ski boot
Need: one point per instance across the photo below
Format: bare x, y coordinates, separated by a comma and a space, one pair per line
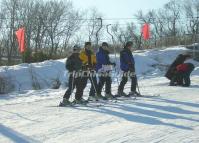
65, 102
135, 93
92, 98
109, 96
100, 97
122, 94
80, 101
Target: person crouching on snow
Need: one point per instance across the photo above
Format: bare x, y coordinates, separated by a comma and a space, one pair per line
182, 75
127, 65
170, 74
104, 67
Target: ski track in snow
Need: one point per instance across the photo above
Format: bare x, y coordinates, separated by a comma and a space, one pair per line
173, 117
31, 116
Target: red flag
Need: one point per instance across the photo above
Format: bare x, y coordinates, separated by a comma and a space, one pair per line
21, 39
146, 31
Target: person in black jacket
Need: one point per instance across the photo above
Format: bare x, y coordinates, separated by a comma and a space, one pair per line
73, 65
171, 72
127, 65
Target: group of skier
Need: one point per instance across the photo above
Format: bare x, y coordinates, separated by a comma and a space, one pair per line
84, 65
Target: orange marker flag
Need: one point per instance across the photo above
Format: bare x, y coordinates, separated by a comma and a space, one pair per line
146, 31
21, 39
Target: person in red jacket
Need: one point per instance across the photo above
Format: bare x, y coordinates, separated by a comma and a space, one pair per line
182, 75
180, 59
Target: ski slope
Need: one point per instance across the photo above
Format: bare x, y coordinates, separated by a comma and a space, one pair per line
173, 117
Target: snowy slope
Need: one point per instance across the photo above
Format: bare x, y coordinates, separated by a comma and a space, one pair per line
171, 118
32, 116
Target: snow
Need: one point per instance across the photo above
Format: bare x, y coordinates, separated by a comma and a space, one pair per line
32, 116
46, 73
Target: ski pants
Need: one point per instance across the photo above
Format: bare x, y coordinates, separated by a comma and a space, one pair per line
183, 79
74, 82
104, 79
124, 80
93, 79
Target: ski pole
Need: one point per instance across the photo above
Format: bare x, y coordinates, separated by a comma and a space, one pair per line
113, 41
137, 86
72, 87
92, 83
97, 33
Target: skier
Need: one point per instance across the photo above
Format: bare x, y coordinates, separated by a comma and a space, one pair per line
170, 74
104, 67
73, 65
127, 65
88, 59
182, 75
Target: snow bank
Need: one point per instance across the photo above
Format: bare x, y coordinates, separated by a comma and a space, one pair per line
35, 76
47, 74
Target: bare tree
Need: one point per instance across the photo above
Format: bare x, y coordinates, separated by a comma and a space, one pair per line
93, 24
49, 25
9, 8
118, 34
192, 15
171, 16
72, 25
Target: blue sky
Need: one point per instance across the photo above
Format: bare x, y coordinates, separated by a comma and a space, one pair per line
119, 8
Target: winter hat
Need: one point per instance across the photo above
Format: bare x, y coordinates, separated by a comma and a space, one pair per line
87, 43
76, 47
129, 43
105, 44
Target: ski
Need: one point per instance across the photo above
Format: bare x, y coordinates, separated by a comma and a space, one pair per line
88, 104
145, 96
101, 102
134, 97
114, 100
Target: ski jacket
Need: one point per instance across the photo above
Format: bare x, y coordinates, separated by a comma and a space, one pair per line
102, 58
172, 69
179, 60
185, 68
127, 62
73, 63
88, 59
182, 68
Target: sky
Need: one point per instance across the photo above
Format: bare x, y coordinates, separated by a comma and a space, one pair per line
116, 9
119, 8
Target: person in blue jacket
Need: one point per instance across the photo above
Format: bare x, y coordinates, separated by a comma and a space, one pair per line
104, 67
127, 65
